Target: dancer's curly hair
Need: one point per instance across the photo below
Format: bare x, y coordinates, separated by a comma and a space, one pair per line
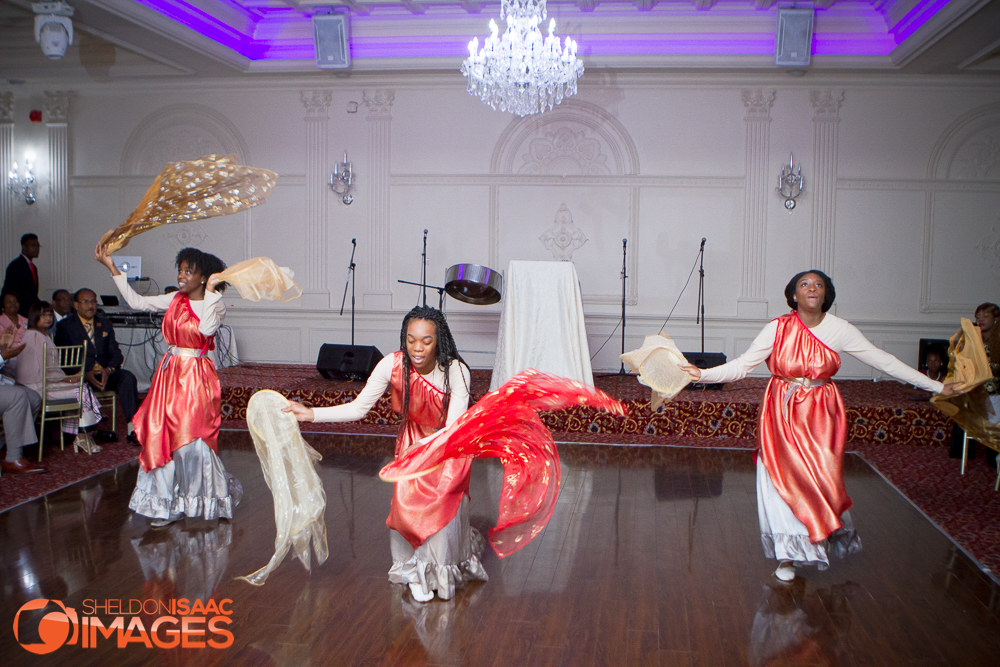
204, 263
831, 292
993, 338
446, 351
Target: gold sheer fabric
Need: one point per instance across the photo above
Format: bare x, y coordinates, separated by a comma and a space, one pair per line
260, 278
289, 469
184, 191
657, 363
969, 366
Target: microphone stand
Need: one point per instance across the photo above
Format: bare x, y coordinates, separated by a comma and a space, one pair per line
700, 317
621, 371
350, 281
423, 268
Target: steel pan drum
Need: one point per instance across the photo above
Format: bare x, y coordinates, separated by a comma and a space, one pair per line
474, 284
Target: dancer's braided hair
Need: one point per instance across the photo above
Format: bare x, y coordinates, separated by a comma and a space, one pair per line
446, 351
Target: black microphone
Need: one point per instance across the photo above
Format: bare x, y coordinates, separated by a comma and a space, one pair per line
702, 242
425, 232
354, 241
624, 242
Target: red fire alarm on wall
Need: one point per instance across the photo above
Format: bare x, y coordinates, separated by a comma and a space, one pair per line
35, 116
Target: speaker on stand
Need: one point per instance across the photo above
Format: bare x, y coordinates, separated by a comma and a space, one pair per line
705, 360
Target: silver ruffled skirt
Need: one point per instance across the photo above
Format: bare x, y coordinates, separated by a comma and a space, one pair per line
445, 561
193, 484
785, 538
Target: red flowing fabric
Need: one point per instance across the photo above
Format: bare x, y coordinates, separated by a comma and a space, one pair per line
423, 506
184, 402
803, 430
504, 424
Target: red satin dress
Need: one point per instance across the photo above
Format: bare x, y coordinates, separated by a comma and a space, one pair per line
185, 400
803, 428
424, 505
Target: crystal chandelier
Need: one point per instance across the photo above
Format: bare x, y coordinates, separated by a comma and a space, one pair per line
522, 72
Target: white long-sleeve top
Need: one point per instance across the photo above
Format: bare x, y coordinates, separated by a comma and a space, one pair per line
837, 334
210, 311
460, 381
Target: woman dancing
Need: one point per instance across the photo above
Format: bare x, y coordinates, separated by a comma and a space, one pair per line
178, 423
433, 547
802, 504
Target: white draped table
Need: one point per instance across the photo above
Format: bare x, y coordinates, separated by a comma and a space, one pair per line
541, 325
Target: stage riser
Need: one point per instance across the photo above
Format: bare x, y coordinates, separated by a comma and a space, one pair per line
923, 425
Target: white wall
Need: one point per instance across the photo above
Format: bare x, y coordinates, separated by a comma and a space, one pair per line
902, 198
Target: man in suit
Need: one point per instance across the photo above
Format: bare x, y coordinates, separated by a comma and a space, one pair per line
19, 406
103, 365
22, 275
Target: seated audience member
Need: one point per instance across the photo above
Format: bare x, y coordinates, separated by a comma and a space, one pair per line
19, 407
104, 358
31, 366
62, 304
987, 316
11, 318
934, 367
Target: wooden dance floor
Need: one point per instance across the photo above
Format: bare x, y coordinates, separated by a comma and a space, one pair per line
652, 558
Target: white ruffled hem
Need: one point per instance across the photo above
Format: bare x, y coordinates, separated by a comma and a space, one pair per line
193, 484
800, 551
440, 578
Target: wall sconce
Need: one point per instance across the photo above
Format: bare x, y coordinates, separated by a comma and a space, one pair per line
790, 184
342, 180
22, 184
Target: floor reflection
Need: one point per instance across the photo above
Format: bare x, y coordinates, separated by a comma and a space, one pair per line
794, 626
182, 561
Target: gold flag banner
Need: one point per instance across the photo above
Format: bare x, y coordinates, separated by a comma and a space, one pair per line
969, 366
260, 278
658, 364
184, 191
289, 466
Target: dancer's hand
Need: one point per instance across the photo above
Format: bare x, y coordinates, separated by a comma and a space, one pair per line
951, 389
102, 257
301, 412
212, 281
691, 370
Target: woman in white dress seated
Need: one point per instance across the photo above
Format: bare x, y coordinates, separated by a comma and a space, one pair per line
31, 367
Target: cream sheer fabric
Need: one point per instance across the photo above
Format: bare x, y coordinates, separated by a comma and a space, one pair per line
658, 364
184, 191
289, 469
542, 323
260, 278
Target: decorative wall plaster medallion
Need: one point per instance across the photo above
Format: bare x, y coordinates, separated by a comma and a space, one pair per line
186, 236
379, 102
989, 247
979, 160
826, 103
758, 103
7, 108
173, 144
563, 237
56, 107
563, 152
316, 102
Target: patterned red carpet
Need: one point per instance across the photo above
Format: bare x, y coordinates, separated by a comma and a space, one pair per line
901, 438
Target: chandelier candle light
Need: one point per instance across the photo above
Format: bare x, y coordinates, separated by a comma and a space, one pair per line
22, 184
790, 184
522, 72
